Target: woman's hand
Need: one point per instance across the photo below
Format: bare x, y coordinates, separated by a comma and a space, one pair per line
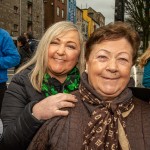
52, 105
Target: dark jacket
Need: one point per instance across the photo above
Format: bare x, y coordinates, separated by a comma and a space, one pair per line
19, 124
66, 133
33, 44
25, 54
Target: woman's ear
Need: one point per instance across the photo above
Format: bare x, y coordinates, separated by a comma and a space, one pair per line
86, 68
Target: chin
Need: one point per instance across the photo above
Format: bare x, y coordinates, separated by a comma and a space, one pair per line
111, 93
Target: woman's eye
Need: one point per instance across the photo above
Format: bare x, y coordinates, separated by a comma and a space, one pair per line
54, 42
71, 47
102, 58
123, 60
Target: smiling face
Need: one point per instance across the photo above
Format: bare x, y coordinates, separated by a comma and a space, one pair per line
63, 54
109, 66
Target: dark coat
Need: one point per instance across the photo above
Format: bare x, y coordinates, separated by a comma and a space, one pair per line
19, 124
66, 133
33, 44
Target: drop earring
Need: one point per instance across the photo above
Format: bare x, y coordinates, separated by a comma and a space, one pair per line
86, 71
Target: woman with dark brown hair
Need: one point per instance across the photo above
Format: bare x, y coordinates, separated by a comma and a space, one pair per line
107, 116
24, 50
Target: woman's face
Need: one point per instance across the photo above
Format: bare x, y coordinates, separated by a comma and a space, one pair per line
63, 54
109, 67
19, 44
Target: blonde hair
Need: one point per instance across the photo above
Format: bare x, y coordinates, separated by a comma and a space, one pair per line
144, 58
40, 59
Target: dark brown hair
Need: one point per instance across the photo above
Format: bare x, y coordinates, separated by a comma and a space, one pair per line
114, 31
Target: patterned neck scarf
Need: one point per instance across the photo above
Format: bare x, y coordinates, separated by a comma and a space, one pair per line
52, 86
106, 128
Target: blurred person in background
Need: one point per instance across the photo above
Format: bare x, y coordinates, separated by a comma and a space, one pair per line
24, 50
144, 62
31, 40
9, 57
41, 87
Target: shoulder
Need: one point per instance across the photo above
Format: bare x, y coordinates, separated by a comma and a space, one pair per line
138, 125
7, 41
2, 31
141, 103
76, 93
148, 62
142, 108
141, 93
22, 76
4, 34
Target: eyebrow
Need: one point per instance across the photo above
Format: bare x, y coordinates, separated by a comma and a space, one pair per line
67, 41
110, 52
103, 50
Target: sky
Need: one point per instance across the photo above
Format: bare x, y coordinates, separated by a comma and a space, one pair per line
106, 7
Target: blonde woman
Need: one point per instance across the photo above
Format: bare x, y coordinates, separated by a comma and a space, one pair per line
144, 62
40, 89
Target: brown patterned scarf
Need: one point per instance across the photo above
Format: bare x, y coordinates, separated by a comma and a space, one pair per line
106, 128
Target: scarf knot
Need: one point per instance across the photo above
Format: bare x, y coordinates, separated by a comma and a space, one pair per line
52, 86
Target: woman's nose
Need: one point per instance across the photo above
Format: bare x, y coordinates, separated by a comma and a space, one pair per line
112, 65
61, 49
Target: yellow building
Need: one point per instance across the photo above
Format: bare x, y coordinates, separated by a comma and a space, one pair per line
94, 19
89, 20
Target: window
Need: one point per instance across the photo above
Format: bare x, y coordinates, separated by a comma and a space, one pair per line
15, 27
29, 9
62, 13
15, 9
58, 11
37, 18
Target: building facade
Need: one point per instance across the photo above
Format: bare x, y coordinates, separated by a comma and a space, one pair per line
20, 16
71, 10
54, 11
94, 19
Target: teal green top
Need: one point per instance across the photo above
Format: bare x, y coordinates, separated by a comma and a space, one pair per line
146, 75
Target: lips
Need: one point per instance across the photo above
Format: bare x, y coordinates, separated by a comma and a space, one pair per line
110, 78
59, 59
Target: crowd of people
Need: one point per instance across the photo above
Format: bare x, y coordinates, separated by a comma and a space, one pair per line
49, 105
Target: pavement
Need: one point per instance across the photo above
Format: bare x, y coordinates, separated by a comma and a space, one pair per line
10, 75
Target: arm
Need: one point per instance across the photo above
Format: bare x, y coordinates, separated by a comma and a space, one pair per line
19, 125
9, 56
40, 140
49, 134
19, 102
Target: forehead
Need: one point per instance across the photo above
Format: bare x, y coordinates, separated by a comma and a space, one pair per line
68, 34
113, 46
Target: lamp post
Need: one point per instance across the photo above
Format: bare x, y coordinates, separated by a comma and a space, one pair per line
119, 10
42, 16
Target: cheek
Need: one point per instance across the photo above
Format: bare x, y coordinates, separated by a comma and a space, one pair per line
95, 67
94, 70
50, 51
125, 71
73, 57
